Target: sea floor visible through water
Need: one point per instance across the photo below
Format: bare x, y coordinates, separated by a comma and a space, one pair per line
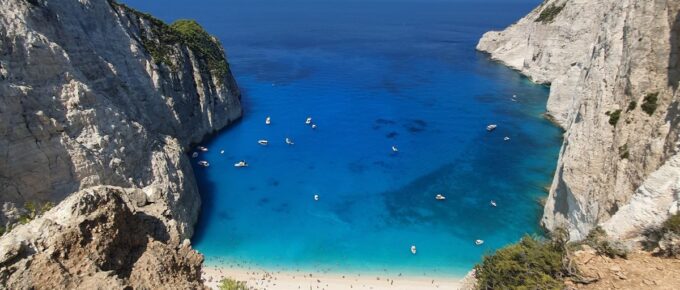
372, 75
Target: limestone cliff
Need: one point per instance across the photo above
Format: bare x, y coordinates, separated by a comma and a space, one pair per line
613, 67
93, 93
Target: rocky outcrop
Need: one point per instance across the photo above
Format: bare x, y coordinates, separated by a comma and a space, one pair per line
93, 93
613, 67
98, 238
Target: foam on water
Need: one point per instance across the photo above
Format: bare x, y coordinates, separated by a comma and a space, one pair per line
371, 75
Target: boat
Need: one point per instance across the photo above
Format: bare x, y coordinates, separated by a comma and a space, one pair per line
493, 203
308, 121
440, 197
203, 163
491, 127
194, 155
289, 141
506, 138
241, 163
204, 149
316, 197
268, 120
313, 126
221, 151
479, 242
413, 249
263, 142
395, 149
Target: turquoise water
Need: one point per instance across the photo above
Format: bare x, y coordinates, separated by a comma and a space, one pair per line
372, 75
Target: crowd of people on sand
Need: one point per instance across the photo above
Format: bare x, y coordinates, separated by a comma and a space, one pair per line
324, 278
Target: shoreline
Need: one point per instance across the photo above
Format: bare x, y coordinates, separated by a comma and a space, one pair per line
262, 278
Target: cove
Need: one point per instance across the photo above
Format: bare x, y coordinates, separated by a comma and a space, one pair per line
371, 74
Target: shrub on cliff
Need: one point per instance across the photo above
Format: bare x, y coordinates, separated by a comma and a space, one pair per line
231, 284
614, 117
598, 239
196, 38
530, 264
649, 103
549, 13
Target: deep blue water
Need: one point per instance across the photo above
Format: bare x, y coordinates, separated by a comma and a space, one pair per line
372, 75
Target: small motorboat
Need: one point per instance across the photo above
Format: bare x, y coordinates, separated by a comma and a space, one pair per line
194, 155
506, 138
241, 163
395, 149
289, 141
316, 197
268, 121
204, 149
479, 242
413, 249
439, 197
308, 121
493, 203
313, 126
203, 163
221, 151
263, 142
491, 127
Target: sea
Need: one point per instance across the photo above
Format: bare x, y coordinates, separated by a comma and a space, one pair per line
372, 75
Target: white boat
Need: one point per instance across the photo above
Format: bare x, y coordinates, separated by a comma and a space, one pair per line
316, 197
395, 149
479, 242
313, 126
506, 138
241, 163
289, 141
491, 127
221, 151
203, 163
413, 249
204, 149
308, 121
493, 203
440, 197
263, 142
194, 155
268, 120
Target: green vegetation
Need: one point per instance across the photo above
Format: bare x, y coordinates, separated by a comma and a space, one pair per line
34, 210
2, 231
529, 264
671, 225
614, 117
623, 151
183, 32
549, 13
598, 240
198, 40
231, 284
631, 106
649, 104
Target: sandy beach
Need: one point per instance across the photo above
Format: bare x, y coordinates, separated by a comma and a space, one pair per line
257, 278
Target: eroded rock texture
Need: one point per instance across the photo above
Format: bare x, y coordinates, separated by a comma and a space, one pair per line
613, 66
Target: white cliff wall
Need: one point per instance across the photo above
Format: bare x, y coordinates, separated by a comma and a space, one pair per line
83, 103
599, 57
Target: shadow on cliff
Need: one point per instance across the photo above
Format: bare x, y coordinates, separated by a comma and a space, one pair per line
674, 57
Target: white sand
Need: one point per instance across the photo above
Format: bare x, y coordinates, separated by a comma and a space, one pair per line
257, 278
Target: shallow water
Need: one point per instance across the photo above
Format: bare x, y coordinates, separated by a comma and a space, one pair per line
371, 75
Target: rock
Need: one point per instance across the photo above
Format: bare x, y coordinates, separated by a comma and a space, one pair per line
89, 103
94, 238
600, 57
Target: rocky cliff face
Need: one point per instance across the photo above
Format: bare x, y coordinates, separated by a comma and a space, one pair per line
93, 93
613, 67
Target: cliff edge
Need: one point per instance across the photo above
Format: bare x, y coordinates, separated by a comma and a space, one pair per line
93, 93
613, 67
